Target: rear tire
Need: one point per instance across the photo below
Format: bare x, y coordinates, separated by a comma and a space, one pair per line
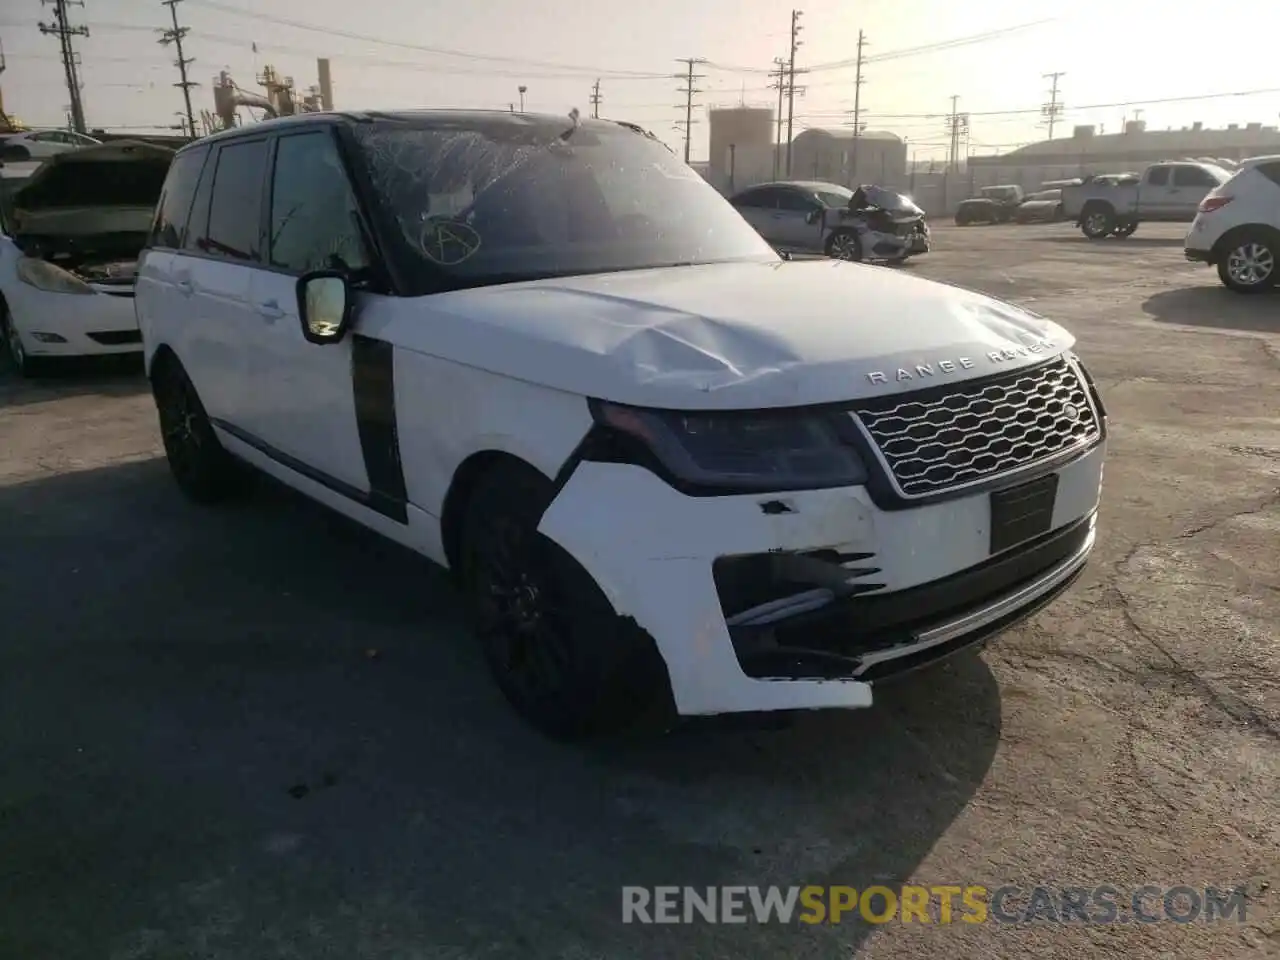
204, 471
1248, 263
1097, 221
558, 651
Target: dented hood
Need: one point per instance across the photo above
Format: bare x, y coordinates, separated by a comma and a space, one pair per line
738, 335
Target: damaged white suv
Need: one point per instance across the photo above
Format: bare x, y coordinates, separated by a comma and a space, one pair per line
668, 468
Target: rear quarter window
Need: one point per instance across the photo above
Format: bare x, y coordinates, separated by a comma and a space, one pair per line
1271, 171
174, 206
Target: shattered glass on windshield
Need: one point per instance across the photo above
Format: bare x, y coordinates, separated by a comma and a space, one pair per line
511, 199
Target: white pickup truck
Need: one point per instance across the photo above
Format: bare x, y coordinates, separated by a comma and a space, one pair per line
1168, 192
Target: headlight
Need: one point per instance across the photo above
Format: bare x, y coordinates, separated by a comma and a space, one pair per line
45, 276
759, 451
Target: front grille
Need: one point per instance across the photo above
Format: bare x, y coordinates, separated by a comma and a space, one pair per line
972, 432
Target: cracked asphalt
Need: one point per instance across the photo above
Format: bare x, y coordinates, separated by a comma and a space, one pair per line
261, 733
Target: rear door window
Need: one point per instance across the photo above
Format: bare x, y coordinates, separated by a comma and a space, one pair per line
174, 206
1193, 177
235, 212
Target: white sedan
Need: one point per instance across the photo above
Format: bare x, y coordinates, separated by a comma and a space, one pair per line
42, 144
72, 231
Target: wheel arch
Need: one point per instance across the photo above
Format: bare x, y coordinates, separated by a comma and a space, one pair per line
1233, 235
463, 483
162, 358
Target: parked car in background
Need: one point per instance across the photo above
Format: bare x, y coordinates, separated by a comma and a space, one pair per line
73, 230
1165, 192
804, 216
41, 144
666, 468
1042, 207
1237, 228
996, 204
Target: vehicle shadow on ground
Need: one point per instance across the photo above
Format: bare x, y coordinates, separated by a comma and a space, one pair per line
258, 730
1112, 242
111, 376
1216, 307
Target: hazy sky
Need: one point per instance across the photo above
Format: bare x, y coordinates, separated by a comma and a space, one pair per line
1112, 52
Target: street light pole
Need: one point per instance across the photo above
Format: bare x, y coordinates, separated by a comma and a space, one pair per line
523, 89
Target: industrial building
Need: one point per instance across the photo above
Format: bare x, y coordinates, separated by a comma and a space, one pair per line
1089, 151
744, 151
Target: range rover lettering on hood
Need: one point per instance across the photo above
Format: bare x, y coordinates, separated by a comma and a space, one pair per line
958, 364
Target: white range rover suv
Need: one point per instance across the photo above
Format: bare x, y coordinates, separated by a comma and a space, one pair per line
672, 472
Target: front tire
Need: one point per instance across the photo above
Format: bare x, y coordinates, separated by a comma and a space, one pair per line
558, 651
204, 471
23, 364
844, 245
1248, 264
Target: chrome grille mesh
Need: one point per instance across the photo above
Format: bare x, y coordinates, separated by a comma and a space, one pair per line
948, 438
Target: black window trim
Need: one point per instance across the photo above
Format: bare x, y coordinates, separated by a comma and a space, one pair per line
385, 277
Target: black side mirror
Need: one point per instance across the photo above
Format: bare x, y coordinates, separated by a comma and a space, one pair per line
324, 306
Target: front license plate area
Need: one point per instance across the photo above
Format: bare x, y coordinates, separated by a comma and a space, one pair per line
1023, 512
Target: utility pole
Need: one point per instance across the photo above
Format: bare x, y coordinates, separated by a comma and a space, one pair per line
64, 32
175, 36
688, 90
1053, 109
791, 81
779, 75
957, 123
857, 112
595, 99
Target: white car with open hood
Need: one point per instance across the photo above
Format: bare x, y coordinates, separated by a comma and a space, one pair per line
672, 472
72, 232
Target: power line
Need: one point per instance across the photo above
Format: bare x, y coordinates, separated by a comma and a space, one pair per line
175, 37
436, 51
688, 90
595, 99
791, 80
918, 51
1027, 111
1053, 109
70, 63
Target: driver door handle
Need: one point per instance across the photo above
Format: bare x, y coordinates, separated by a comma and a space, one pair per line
270, 310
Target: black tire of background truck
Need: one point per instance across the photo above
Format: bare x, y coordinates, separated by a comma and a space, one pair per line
844, 245
563, 658
962, 219
204, 471
22, 364
1097, 220
1265, 244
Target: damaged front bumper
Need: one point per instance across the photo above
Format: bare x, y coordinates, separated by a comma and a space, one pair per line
802, 600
